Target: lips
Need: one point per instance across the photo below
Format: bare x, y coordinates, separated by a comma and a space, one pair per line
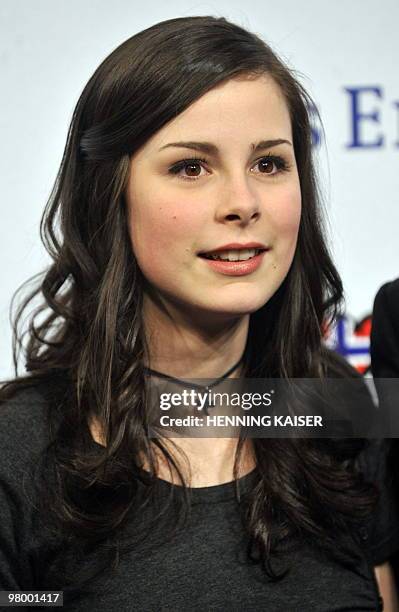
235, 268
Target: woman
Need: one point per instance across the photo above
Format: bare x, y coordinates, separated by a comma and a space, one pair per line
190, 143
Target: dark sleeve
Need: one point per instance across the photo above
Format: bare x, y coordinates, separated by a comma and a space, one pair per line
384, 340
382, 530
21, 436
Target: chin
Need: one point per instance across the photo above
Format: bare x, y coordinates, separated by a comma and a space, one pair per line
246, 300
237, 308
222, 306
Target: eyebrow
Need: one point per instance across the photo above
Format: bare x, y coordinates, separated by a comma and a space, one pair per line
211, 149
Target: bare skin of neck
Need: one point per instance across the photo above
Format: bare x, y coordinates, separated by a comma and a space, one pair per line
179, 344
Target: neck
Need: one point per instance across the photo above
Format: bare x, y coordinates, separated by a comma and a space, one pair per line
188, 345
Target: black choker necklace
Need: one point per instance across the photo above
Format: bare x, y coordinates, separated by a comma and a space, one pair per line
184, 383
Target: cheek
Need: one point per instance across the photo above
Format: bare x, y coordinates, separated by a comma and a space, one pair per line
285, 216
161, 232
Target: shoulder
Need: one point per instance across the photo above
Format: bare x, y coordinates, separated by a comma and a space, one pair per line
350, 400
336, 366
352, 388
26, 407
25, 420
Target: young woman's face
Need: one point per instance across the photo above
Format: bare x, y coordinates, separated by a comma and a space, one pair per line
245, 189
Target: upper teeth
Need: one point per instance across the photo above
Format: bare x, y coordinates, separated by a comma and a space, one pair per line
234, 255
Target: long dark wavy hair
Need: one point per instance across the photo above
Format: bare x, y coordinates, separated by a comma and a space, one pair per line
84, 345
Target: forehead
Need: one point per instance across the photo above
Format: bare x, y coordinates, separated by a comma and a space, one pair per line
239, 110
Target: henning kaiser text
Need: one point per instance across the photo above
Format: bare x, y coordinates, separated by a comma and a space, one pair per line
243, 421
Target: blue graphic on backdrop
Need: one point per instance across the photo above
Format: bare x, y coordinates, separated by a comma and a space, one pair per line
351, 339
365, 118
359, 95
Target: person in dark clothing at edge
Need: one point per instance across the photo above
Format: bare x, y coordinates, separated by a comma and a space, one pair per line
384, 351
191, 137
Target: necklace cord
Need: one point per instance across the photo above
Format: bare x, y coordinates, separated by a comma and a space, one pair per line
184, 383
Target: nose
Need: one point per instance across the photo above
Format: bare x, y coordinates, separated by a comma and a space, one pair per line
239, 203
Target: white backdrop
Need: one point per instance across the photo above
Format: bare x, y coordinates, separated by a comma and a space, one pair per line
346, 51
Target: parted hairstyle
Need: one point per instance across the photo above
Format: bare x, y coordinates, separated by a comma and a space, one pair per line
85, 345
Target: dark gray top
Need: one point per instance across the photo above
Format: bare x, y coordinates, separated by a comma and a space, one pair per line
203, 568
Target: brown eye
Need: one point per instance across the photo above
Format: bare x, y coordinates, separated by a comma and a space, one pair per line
266, 166
272, 165
188, 169
191, 169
